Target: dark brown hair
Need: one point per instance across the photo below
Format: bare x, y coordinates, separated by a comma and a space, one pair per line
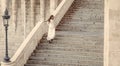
50, 18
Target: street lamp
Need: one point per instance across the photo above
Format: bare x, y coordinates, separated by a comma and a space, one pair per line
6, 17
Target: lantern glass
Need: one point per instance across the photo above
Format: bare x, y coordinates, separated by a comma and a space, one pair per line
6, 16
5, 22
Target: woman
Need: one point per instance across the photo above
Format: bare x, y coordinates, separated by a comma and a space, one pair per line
51, 29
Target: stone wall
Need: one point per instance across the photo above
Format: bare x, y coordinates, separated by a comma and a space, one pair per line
114, 33
15, 29
47, 9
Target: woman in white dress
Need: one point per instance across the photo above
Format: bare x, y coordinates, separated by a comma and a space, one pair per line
51, 29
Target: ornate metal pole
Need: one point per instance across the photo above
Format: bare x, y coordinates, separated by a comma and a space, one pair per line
6, 17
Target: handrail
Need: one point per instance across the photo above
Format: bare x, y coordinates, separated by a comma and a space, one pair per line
61, 10
30, 43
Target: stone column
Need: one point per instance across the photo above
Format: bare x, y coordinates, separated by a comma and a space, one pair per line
32, 13
23, 9
106, 33
14, 12
42, 10
57, 2
53, 5
3, 6
112, 33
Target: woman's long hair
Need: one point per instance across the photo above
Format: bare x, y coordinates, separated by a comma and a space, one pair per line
51, 17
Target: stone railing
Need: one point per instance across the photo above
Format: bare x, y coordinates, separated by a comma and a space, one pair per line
30, 43
61, 10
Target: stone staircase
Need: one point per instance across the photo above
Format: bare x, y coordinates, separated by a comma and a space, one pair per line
79, 38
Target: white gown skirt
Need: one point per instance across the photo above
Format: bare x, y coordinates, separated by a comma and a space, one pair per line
51, 31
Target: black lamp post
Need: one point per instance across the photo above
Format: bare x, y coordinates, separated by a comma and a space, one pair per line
6, 17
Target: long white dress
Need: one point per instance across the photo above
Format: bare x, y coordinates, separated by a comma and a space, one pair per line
51, 30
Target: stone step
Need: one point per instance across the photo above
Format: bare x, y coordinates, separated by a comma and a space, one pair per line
94, 56
81, 60
74, 20
63, 64
82, 30
60, 58
89, 13
35, 65
87, 53
85, 18
81, 22
88, 6
73, 39
87, 42
83, 11
95, 41
82, 49
72, 50
68, 55
92, 1
83, 63
78, 38
81, 44
88, 46
78, 34
80, 26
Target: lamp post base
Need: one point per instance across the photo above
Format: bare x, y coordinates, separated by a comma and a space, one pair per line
6, 59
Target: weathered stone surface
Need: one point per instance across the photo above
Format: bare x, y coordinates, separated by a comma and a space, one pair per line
79, 38
114, 33
24, 16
